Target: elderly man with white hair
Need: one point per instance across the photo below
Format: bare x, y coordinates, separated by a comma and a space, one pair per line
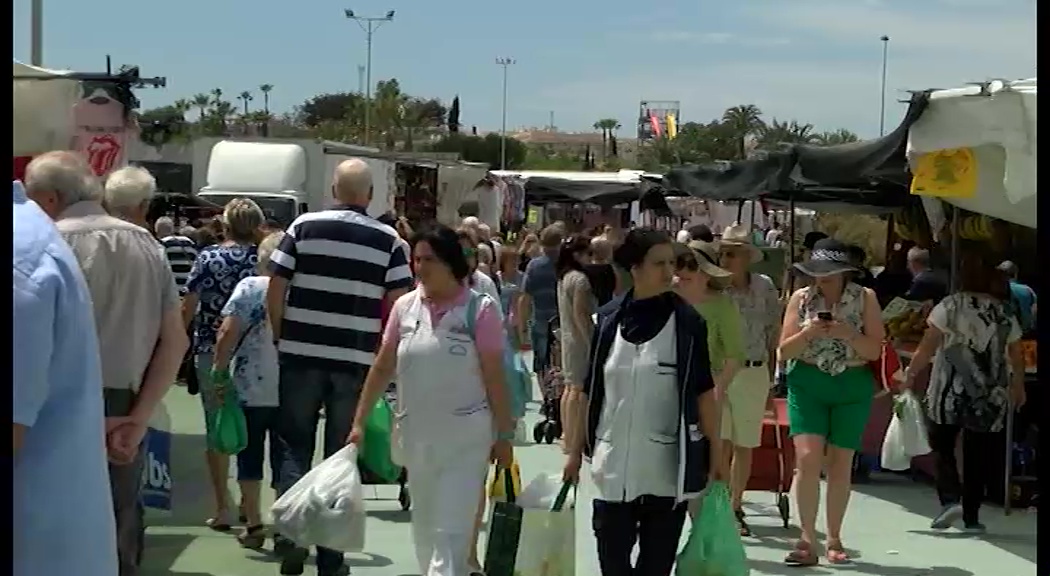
140, 333
128, 192
331, 272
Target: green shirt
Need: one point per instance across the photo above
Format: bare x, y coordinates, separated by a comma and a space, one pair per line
725, 338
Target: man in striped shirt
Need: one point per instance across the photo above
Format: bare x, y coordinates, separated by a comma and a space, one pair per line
331, 273
180, 250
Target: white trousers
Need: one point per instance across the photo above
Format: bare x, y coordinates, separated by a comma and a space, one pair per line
445, 482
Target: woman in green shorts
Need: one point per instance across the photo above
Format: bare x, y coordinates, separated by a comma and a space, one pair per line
831, 330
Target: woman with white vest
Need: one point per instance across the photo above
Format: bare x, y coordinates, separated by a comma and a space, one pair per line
649, 406
455, 416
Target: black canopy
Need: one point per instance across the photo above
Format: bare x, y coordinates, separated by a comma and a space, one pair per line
543, 190
870, 173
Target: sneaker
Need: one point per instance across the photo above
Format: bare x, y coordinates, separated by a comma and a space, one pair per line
949, 515
974, 528
343, 570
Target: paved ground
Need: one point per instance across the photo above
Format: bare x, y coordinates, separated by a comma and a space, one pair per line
887, 528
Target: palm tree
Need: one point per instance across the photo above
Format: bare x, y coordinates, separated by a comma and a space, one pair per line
784, 132
607, 126
182, 106
216, 95
840, 136
245, 97
265, 89
744, 120
202, 101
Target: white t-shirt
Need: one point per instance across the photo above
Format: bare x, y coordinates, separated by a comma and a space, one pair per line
485, 285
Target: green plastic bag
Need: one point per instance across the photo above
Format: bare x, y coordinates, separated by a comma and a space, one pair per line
714, 547
229, 429
375, 448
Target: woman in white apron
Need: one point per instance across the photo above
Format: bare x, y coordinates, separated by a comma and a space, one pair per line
455, 416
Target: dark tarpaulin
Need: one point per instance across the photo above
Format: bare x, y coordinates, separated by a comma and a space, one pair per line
541, 190
869, 173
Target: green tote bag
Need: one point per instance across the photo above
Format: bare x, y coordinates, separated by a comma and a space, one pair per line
501, 551
228, 433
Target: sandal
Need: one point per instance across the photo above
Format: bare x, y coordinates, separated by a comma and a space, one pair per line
253, 537
802, 555
835, 553
744, 529
218, 524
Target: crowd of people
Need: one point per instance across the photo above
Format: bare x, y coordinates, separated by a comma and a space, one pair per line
670, 350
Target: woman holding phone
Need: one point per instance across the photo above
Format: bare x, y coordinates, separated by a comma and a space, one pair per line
831, 330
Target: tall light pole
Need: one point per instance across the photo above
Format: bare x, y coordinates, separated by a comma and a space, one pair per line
882, 105
369, 25
505, 62
36, 33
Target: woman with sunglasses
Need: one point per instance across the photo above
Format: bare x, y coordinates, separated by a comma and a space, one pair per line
477, 279
576, 304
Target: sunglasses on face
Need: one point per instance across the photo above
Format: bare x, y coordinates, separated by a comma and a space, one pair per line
687, 263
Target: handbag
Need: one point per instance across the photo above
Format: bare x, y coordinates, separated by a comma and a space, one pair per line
504, 534
887, 370
515, 376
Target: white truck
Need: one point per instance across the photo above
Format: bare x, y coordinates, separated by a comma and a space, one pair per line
287, 177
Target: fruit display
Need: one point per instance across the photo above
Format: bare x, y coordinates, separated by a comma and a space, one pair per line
907, 327
975, 227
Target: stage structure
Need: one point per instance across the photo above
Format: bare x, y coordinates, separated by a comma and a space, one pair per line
658, 119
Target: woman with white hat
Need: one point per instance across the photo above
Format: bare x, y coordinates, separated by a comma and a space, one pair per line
756, 297
831, 330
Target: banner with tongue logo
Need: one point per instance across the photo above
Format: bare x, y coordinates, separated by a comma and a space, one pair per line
102, 131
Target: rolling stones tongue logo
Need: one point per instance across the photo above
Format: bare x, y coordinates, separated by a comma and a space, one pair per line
103, 152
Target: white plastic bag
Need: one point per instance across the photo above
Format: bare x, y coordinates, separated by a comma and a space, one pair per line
906, 435
326, 506
547, 544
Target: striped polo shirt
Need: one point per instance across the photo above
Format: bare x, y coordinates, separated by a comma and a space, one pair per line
181, 253
339, 264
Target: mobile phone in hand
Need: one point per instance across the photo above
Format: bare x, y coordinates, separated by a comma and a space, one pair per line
825, 317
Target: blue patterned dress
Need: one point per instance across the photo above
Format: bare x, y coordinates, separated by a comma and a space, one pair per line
216, 272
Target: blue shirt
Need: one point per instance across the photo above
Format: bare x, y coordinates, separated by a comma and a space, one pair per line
541, 284
215, 274
254, 367
1023, 299
63, 511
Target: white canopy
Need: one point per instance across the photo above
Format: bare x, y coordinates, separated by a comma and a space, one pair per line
42, 110
998, 122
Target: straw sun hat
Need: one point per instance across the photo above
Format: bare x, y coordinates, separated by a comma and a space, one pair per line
706, 255
738, 236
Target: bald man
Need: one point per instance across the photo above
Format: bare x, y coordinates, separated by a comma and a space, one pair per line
331, 273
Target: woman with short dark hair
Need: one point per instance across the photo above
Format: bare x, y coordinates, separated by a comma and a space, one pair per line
443, 345
974, 343
650, 411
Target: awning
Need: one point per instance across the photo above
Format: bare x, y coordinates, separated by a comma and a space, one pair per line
43, 104
541, 190
872, 173
997, 121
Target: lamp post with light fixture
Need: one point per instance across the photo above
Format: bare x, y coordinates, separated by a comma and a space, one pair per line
505, 62
882, 106
369, 25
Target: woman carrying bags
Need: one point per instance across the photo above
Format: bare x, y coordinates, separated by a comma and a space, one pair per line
455, 414
649, 408
831, 330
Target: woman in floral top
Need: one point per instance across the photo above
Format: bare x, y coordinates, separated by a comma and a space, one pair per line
831, 330
978, 376
215, 273
245, 343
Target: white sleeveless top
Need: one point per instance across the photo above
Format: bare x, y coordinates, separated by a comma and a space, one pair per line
637, 449
441, 396
832, 355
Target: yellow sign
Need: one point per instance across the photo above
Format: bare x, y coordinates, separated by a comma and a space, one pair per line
533, 216
948, 173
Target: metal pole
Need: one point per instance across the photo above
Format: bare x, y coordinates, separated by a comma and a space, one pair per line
505, 62
369, 25
882, 104
368, 83
36, 33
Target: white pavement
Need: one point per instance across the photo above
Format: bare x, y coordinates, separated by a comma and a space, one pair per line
887, 528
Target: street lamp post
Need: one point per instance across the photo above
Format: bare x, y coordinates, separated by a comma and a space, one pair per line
36, 33
369, 25
505, 62
882, 105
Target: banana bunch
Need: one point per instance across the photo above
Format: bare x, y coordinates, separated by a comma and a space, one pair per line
975, 227
908, 326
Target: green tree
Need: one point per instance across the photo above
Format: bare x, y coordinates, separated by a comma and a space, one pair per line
484, 149
834, 138
201, 102
157, 126
786, 132
545, 157
453, 115
608, 127
744, 120
266, 89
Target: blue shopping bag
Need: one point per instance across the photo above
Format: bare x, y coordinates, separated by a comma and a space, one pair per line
156, 470
516, 376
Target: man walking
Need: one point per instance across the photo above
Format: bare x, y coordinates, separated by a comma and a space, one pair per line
138, 322
62, 510
539, 296
180, 250
331, 273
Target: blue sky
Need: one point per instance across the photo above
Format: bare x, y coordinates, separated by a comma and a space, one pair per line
817, 61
